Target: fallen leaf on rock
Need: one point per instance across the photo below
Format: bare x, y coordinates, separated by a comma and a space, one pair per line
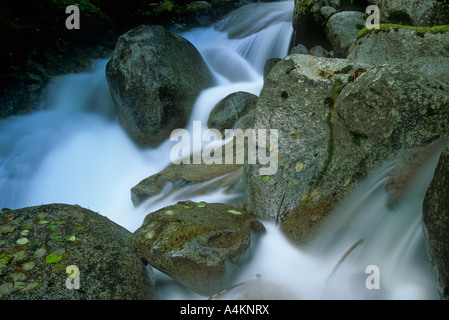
22, 241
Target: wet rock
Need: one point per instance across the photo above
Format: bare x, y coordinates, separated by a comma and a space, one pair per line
327, 12
39, 243
299, 49
268, 66
408, 167
423, 13
435, 222
419, 48
342, 30
295, 100
196, 176
229, 110
371, 126
199, 244
336, 123
319, 51
154, 78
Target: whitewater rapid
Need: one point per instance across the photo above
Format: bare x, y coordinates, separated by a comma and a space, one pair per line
73, 150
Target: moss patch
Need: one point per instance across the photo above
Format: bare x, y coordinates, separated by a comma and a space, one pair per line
302, 7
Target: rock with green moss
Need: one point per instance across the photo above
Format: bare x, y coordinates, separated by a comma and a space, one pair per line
198, 244
424, 49
39, 244
297, 99
230, 109
192, 179
435, 221
342, 30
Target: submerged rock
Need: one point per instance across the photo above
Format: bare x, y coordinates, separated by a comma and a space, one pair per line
198, 244
154, 78
435, 222
39, 243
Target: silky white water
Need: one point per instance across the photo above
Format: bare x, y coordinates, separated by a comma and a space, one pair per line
74, 151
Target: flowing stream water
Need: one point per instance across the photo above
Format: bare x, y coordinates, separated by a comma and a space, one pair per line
73, 150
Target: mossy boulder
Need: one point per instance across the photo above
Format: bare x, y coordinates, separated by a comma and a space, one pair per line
199, 244
39, 243
336, 123
419, 13
421, 48
230, 109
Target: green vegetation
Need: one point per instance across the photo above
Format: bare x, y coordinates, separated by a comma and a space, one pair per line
388, 27
302, 7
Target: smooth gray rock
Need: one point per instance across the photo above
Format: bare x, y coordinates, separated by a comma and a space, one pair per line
39, 243
154, 78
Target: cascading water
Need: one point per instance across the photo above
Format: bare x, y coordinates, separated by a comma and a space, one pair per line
74, 151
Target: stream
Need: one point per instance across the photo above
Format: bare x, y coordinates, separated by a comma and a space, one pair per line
73, 150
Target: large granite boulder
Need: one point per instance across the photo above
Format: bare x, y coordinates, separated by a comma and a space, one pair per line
342, 30
198, 244
40, 244
155, 77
